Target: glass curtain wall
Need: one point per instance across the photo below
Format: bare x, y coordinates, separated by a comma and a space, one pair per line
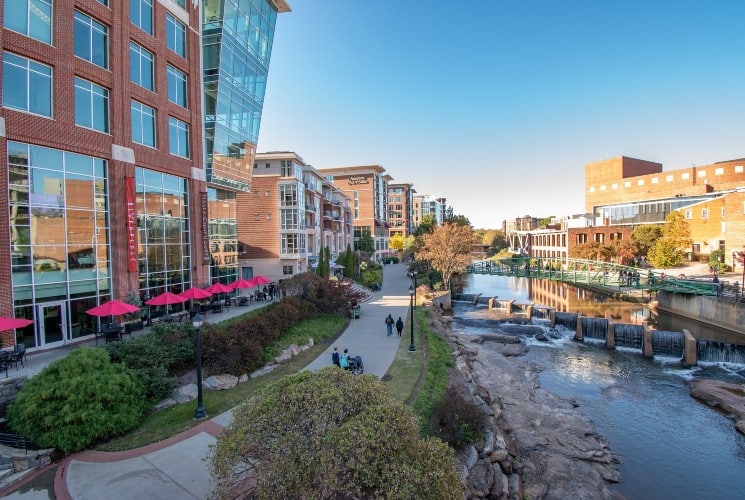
223, 235
164, 243
59, 240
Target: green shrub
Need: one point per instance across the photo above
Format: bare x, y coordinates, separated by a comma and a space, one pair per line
156, 357
330, 434
457, 419
77, 400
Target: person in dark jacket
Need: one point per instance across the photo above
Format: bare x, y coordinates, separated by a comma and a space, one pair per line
335, 356
399, 326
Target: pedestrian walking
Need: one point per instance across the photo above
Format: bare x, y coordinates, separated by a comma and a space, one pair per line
335, 356
389, 325
399, 326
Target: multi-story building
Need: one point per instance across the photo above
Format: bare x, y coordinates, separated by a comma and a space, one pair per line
237, 47
289, 215
400, 208
627, 192
107, 190
425, 204
367, 189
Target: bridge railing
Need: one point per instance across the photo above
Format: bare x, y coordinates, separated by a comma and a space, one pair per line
606, 274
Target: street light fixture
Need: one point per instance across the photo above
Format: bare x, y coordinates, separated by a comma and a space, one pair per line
412, 293
200, 412
412, 275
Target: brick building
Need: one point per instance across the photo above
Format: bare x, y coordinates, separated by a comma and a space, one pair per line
400, 208
289, 215
367, 189
107, 189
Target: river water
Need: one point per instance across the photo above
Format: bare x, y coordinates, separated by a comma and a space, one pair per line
673, 447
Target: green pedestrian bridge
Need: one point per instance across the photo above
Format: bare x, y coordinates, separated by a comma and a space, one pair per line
602, 274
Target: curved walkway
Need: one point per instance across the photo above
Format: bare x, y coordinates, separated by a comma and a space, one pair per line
176, 467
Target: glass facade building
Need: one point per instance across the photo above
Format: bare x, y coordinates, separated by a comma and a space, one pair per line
237, 38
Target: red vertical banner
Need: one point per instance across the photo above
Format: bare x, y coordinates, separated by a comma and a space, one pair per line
205, 228
129, 198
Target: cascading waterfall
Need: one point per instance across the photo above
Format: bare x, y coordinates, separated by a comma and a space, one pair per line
594, 328
627, 335
671, 343
567, 320
720, 352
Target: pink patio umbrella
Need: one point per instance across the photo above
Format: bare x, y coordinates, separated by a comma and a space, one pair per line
165, 299
112, 308
13, 323
218, 288
195, 293
260, 280
241, 283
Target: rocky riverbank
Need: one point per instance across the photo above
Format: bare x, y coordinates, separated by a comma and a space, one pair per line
537, 445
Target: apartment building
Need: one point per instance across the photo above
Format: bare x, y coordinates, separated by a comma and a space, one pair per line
367, 189
425, 204
107, 189
290, 214
400, 208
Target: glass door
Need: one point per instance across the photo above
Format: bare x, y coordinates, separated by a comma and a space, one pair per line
52, 324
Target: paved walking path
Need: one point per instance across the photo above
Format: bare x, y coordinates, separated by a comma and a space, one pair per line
176, 467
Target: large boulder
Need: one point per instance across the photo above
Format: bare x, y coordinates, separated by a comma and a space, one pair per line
730, 398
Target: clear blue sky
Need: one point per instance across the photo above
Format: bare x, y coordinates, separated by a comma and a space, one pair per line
498, 105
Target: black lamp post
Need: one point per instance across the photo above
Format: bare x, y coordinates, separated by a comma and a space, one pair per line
200, 412
412, 274
412, 293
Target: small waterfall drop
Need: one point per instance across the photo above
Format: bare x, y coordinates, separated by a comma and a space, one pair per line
594, 328
670, 343
627, 335
720, 352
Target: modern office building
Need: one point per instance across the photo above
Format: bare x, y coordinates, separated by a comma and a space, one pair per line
237, 46
289, 215
367, 189
106, 191
400, 208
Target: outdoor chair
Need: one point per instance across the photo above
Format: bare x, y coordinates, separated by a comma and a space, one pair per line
19, 353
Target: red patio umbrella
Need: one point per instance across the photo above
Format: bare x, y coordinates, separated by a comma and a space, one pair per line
241, 283
195, 293
12, 323
112, 308
260, 280
218, 288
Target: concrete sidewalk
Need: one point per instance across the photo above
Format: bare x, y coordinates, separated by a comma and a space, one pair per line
177, 467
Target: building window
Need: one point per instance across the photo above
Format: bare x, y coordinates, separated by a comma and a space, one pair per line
288, 219
141, 14
655, 180
91, 40
32, 18
287, 195
592, 189
140, 66
689, 214
702, 173
614, 185
27, 85
176, 86
91, 105
176, 35
287, 270
640, 182
104, 2
738, 169
719, 171
627, 184
178, 137
704, 213
181, 3
685, 176
668, 178
143, 124
603, 187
